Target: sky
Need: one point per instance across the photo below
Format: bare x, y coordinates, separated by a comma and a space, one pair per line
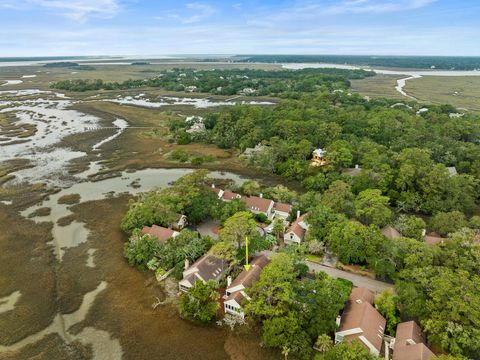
164, 27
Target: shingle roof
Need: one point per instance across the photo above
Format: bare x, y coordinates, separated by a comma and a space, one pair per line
246, 278
433, 239
362, 294
230, 195
286, 208
405, 350
161, 233
297, 228
237, 296
365, 317
210, 267
390, 232
257, 203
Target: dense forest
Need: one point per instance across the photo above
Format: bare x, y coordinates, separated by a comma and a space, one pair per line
231, 82
409, 62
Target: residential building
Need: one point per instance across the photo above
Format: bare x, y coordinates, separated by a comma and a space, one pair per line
162, 234
318, 157
230, 195
355, 171
390, 232
208, 267
282, 210
361, 321
259, 205
235, 293
409, 343
217, 191
433, 239
295, 234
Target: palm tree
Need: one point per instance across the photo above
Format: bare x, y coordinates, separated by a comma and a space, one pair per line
324, 343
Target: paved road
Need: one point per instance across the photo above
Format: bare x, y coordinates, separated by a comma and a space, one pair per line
357, 280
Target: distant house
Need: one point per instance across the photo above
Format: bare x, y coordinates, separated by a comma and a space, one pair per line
295, 234
433, 239
361, 321
247, 91
217, 191
208, 267
259, 205
355, 171
235, 293
452, 170
409, 343
390, 232
282, 210
162, 234
180, 222
230, 195
318, 157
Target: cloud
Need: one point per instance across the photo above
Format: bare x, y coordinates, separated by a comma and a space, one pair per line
78, 10
375, 6
192, 13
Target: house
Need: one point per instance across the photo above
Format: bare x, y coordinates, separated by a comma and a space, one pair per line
433, 239
361, 321
318, 157
230, 195
296, 232
162, 234
208, 267
259, 205
355, 171
217, 191
452, 170
180, 222
282, 210
409, 343
235, 293
390, 232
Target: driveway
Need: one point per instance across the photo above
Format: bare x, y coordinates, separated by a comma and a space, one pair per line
357, 280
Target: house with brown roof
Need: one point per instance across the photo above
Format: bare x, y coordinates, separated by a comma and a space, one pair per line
162, 234
353, 172
295, 234
361, 321
230, 195
208, 267
390, 232
217, 191
282, 210
259, 205
235, 293
433, 239
409, 343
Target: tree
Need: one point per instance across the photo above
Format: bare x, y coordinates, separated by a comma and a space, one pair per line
230, 208
353, 242
338, 197
286, 332
446, 223
278, 228
280, 193
324, 343
385, 302
250, 187
411, 226
200, 303
234, 233
273, 294
140, 249
346, 351
372, 208
339, 154
321, 218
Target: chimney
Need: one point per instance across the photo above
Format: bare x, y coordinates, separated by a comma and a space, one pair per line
187, 264
338, 319
229, 281
356, 166
213, 186
261, 195
298, 214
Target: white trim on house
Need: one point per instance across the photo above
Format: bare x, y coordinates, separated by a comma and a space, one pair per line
291, 237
